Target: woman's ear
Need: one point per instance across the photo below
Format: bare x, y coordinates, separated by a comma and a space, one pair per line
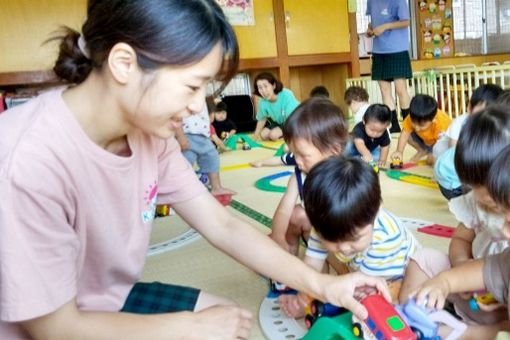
122, 62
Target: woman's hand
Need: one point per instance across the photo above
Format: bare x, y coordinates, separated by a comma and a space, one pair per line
222, 322
340, 290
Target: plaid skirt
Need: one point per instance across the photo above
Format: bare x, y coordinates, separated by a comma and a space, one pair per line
391, 66
156, 297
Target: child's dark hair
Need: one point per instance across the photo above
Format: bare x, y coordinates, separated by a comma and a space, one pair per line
423, 108
319, 121
271, 80
319, 91
162, 32
221, 106
486, 93
482, 138
341, 195
504, 98
377, 112
498, 181
356, 93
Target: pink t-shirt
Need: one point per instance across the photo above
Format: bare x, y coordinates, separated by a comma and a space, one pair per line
75, 219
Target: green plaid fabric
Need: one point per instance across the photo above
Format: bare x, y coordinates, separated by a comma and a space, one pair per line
156, 297
391, 66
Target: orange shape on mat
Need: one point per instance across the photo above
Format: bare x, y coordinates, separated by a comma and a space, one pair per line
224, 199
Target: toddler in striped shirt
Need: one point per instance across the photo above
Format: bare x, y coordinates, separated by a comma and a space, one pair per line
342, 199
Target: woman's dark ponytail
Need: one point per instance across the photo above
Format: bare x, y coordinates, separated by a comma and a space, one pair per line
72, 65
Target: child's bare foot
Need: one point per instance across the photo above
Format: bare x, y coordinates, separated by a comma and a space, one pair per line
256, 164
222, 191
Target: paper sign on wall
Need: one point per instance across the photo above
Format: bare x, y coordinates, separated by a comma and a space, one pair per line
238, 12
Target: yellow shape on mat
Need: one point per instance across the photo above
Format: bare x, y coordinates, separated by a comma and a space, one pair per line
235, 167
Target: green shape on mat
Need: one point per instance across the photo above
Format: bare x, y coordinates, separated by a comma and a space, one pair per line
231, 142
280, 152
265, 184
253, 214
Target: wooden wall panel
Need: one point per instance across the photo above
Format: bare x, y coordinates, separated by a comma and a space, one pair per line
26, 24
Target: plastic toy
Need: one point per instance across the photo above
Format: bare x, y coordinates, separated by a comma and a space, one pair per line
337, 327
163, 210
373, 165
396, 163
412, 178
483, 298
424, 322
383, 321
317, 309
224, 199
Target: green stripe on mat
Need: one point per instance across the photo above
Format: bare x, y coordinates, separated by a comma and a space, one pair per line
253, 214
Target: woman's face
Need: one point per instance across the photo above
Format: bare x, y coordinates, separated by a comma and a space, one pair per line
266, 89
175, 92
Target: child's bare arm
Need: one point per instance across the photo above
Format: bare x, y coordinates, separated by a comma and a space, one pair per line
460, 246
219, 143
402, 141
359, 143
232, 132
258, 129
181, 138
283, 212
467, 277
383, 158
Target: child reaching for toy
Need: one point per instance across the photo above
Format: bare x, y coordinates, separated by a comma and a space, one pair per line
422, 128
342, 199
491, 273
480, 232
315, 131
371, 139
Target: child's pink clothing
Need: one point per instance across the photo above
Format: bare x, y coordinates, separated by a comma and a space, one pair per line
75, 219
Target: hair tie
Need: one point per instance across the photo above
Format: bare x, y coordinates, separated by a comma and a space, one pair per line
82, 45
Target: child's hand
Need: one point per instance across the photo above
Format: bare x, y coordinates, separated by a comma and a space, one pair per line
433, 292
397, 155
294, 305
491, 307
382, 164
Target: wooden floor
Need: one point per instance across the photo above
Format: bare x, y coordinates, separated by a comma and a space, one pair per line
198, 264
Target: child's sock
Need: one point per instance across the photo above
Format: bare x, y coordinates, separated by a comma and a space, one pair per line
395, 127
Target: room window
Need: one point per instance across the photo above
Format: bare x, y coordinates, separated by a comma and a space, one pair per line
480, 26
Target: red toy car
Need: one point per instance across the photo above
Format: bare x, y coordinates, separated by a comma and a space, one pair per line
384, 321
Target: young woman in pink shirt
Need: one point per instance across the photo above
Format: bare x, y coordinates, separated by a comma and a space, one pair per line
82, 169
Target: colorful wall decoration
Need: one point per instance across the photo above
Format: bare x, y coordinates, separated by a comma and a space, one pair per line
238, 12
435, 33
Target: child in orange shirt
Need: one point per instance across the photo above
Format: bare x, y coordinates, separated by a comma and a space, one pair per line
422, 128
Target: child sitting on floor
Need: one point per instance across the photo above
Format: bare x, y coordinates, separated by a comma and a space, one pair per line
480, 232
444, 169
224, 127
422, 128
315, 131
343, 202
371, 139
491, 273
357, 99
